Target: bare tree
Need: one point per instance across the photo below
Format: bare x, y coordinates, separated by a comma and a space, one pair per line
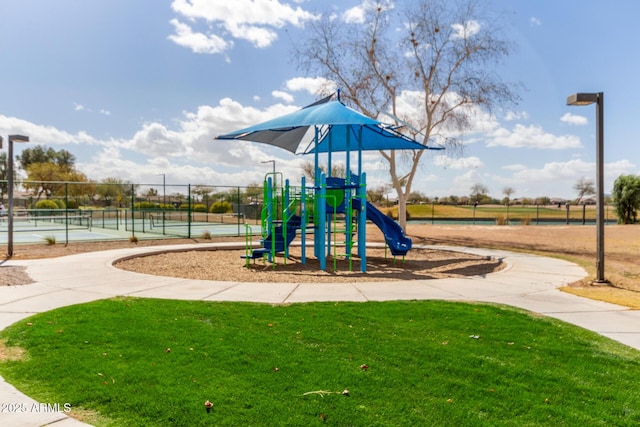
584, 187
438, 54
478, 192
508, 191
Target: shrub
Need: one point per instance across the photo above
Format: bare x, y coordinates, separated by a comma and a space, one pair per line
51, 240
502, 220
206, 235
146, 205
221, 207
133, 239
46, 204
199, 207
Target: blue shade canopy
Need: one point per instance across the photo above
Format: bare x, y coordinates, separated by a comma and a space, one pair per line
326, 126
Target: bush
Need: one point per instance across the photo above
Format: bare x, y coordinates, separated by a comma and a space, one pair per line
221, 207
146, 205
194, 208
46, 204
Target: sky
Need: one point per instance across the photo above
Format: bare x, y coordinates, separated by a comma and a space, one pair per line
138, 90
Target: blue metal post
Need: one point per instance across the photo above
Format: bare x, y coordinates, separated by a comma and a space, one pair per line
303, 220
362, 222
321, 214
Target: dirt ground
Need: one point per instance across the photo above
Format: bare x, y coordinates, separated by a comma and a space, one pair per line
574, 243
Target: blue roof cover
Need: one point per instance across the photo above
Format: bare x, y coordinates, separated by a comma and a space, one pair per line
339, 128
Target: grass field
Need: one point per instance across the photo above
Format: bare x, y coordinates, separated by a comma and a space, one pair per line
141, 362
499, 212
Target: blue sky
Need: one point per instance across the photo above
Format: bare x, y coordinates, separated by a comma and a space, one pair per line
136, 89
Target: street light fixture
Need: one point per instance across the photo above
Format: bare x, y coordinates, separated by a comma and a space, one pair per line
11, 139
581, 99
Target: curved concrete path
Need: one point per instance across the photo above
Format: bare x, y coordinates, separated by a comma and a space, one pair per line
528, 281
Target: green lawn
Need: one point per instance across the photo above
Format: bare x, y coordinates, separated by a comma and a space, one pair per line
145, 362
530, 213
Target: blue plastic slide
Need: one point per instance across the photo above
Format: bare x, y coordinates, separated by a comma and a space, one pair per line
292, 225
398, 243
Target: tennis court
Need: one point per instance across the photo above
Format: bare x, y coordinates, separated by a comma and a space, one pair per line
80, 225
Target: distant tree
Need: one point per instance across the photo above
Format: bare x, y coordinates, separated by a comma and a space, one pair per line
41, 154
478, 192
113, 189
377, 195
337, 169
584, 187
253, 192
508, 191
201, 192
150, 193
544, 200
4, 174
626, 197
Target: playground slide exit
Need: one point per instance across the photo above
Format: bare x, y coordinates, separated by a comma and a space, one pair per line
398, 243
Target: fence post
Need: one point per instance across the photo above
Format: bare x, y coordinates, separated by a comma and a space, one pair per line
133, 211
238, 211
66, 213
189, 211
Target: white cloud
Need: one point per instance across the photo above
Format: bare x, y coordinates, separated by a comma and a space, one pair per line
314, 86
466, 30
535, 22
198, 42
513, 115
447, 162
574, 119
531, 137
193, 140
570, 171
39, 134
105, 112
286, 97
78, 107
256, 21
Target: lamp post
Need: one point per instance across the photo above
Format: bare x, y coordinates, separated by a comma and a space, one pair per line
11, 139
274, 170
587, 99
274, 164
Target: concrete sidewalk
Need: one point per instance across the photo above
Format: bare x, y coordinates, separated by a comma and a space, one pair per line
528, 281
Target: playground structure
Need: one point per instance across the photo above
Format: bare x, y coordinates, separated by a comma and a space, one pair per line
335, 208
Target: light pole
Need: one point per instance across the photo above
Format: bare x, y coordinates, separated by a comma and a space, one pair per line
274, 170
586, 99
274, 165
11, 139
